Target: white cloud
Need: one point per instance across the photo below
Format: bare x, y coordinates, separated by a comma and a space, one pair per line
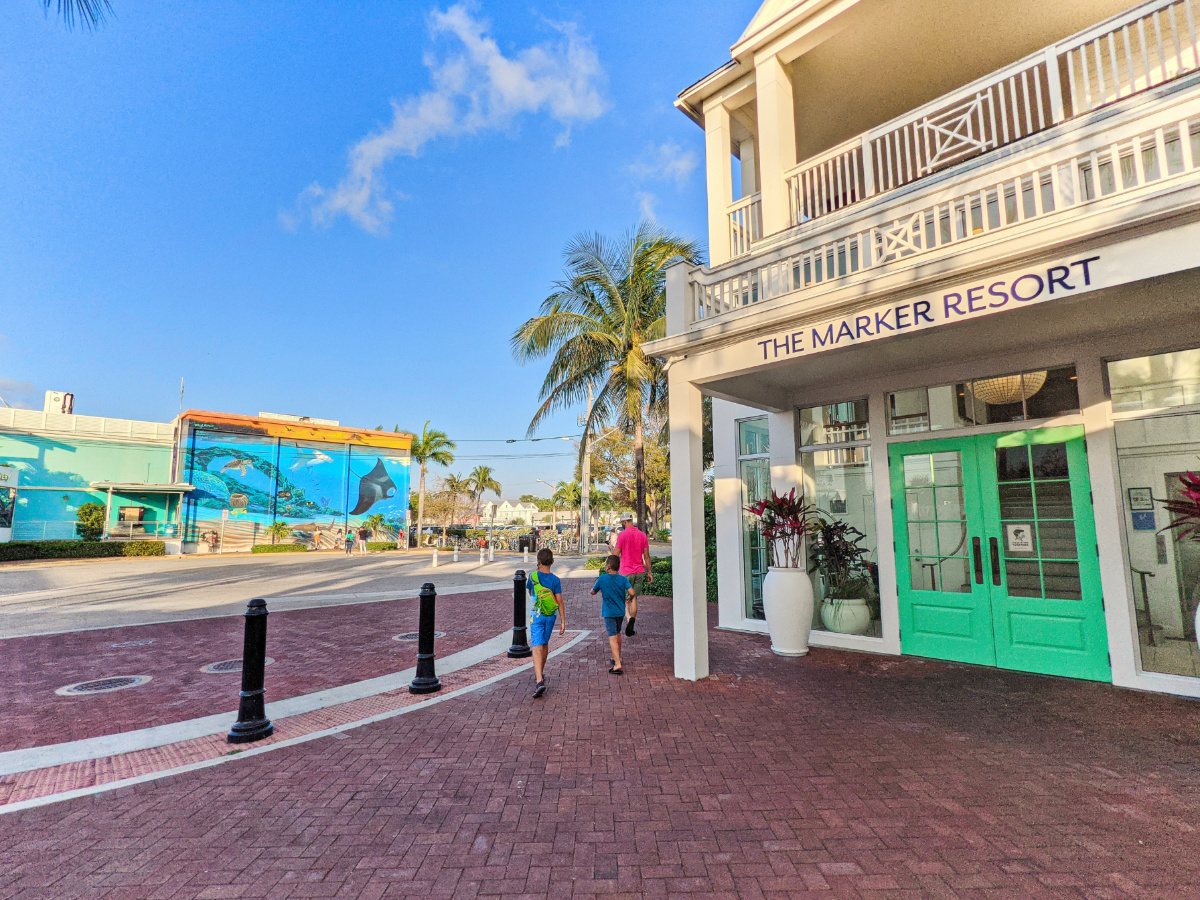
473, 88
668, 162
646, 202
19, 394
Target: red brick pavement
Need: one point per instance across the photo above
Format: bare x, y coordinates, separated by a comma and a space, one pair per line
835, 776
313, 649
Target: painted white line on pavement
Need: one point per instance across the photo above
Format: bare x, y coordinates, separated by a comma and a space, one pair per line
255, 751
15, 761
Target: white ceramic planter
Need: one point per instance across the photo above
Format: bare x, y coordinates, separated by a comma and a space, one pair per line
849, 617
788, 606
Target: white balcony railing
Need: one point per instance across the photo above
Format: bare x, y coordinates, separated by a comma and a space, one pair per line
745, 224
1150, 44
1146, 149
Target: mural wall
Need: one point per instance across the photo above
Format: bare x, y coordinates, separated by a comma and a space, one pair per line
244, 481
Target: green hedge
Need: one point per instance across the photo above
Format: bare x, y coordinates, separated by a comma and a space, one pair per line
661, 587
381, 545
78, 549
595, 562
279, 548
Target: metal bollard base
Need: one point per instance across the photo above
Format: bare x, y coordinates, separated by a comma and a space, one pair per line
520, 648
248, 732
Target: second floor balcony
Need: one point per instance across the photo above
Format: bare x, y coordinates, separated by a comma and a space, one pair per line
1149, 45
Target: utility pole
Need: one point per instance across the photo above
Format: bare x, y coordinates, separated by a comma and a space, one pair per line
585, 486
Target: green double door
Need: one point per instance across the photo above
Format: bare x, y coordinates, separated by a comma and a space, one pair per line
996, 552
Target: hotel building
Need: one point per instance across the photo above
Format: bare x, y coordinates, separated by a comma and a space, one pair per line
952, 296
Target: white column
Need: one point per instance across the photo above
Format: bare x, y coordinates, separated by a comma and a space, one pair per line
1110, 519
678, 290
718, 155
776, 141
749, 167
885, 553
687, 528
785, 469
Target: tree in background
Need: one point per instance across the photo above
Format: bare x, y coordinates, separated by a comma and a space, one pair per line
610, 300
91, 521
374, 522
278, 530
567, 495
89, 13
482, 479
613, 463
455, 487
432, 446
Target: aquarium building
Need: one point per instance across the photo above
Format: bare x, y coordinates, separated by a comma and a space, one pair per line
952, 295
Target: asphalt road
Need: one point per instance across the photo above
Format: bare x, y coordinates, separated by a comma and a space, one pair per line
51, 598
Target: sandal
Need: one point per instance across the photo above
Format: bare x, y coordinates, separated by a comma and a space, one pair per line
616, 671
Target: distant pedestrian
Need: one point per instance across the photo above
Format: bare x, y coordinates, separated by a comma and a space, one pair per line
363, 534
616, 590
634, 549
546, 602
612, 540
349, 540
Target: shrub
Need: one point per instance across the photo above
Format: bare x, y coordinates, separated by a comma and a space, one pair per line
91, 521
595, 562
662, 564
143, 548
278, 548
663, 535
59, 550
381, 545
661, 587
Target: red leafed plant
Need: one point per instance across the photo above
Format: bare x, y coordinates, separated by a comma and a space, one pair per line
786, 519
1186, 510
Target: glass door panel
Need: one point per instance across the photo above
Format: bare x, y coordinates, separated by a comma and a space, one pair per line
1047, 613
944, 609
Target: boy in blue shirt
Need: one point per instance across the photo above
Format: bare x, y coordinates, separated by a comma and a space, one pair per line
545, 603
615, 589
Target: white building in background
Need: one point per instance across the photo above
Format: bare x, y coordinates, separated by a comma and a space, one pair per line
952, 295
507, 512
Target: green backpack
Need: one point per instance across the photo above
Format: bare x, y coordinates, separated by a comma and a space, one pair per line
543, 597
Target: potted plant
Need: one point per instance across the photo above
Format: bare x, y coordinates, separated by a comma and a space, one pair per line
836, 552
787, 589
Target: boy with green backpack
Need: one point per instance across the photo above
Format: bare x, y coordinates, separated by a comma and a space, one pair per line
545, 590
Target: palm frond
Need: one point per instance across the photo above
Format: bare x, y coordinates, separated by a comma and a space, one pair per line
90, 14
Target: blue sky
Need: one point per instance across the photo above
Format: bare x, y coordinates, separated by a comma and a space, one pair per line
332, 209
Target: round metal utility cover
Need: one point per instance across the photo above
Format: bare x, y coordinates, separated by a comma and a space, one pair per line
103, 685
414, 635
227, 666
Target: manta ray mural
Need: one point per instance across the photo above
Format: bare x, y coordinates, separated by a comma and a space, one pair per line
244, 481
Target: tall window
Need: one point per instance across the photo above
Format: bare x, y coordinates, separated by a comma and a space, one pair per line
754, 469
1155, 404
835, 456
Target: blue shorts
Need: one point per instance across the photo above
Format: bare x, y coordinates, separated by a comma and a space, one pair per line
540, 628
612, 624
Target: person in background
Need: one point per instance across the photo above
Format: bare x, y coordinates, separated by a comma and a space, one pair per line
546, 601
612, 540
363, 534
349, 541
615, 589
634, 549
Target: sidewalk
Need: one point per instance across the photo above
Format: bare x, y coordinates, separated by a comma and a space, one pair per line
838, 775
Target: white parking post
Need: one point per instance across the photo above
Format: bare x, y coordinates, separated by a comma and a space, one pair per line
434, 563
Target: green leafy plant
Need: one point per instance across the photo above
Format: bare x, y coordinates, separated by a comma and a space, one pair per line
374, 522
595, 563
278, 530
143, 548
836, 552
374, 546
91, 521
278, 548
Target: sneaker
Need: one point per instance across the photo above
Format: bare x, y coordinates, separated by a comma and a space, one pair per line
540, 689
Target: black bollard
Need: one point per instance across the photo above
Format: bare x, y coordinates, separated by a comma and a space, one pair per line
426, 681
520, 645
252, 722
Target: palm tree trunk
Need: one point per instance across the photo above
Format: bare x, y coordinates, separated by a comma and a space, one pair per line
421, 506
639, 471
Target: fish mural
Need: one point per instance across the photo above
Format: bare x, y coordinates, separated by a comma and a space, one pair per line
376, 485
240, 466
317, 459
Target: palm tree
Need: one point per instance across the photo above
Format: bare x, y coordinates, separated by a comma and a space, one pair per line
610, 300
432, 446
482, 480
89, 12
374, 522
568, 493
278, 529
454, 485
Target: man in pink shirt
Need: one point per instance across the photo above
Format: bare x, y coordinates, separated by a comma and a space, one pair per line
634, 549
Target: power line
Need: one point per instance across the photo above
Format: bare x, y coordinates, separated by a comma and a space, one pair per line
561, 437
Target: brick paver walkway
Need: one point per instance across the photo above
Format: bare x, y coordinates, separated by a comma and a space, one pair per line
835, 776
313, 649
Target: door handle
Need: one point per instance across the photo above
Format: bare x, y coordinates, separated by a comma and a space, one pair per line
995, 545
978, 554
